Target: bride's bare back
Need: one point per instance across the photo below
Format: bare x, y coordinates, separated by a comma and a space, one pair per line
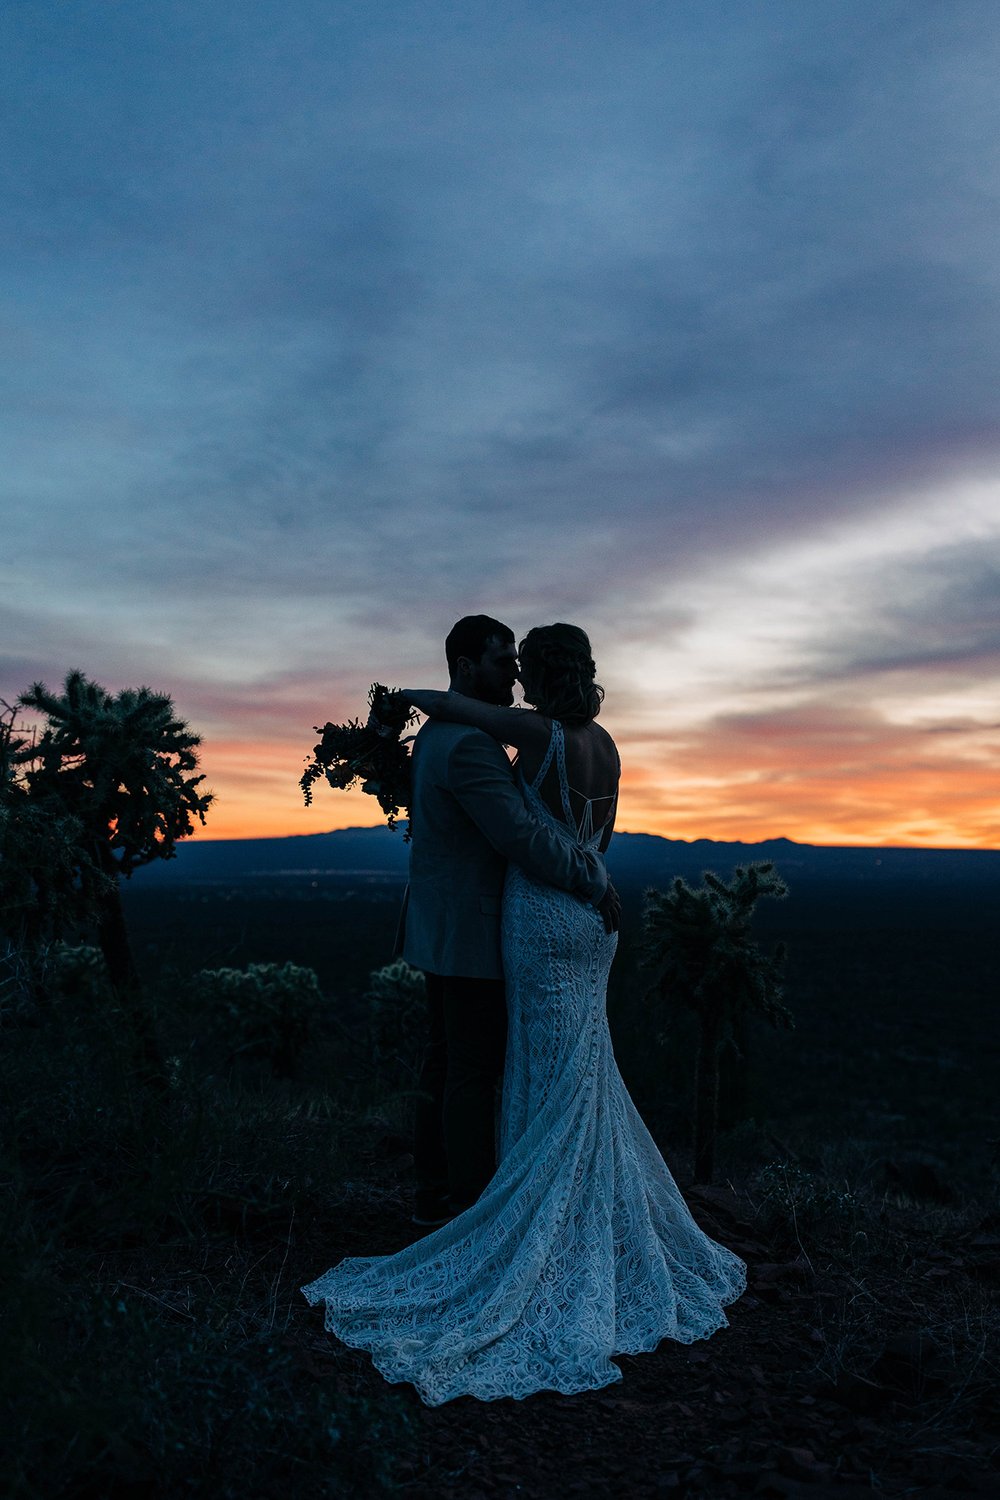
592, 768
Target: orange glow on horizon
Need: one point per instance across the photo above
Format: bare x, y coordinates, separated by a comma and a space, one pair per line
878, 786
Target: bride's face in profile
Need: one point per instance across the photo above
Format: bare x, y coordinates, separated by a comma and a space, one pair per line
530, 685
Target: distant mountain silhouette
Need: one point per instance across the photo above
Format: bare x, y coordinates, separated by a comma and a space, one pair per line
634, 859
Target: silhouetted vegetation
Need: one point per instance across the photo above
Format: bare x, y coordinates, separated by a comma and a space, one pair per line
149, 1274
372, 754
265, 1010
698, 946
108, 786
397, 1018
155, 1339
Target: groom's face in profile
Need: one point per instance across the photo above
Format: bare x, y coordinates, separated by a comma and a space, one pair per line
492, 678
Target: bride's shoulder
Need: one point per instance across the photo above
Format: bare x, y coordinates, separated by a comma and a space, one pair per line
600, 744
593, 734
601, 734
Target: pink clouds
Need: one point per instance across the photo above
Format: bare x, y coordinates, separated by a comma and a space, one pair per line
813, 773
817, 774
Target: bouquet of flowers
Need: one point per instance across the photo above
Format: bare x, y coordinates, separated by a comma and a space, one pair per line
375, 753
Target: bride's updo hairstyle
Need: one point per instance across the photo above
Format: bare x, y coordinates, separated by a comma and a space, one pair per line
557, 674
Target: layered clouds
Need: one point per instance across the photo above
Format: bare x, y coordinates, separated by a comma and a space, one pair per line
678, 321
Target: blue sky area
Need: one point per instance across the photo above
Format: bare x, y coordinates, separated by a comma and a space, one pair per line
326, 324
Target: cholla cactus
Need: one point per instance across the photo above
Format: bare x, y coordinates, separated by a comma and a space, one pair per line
78, 970
123, 764
122, 768
42, 889
265, 1009
111, 781
697, 945
397, 1021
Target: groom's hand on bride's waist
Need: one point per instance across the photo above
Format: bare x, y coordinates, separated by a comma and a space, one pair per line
610, 908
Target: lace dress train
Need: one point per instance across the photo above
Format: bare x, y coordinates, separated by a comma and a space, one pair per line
581, 1246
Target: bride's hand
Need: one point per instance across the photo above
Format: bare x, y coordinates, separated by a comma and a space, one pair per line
425, 700
610, 908
389, 713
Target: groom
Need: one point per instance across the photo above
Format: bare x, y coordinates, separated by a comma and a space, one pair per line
469, 820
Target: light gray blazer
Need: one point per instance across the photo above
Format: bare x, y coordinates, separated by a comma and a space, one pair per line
469, 820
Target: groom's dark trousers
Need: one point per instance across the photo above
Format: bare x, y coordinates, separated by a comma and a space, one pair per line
468, 819
454, 1139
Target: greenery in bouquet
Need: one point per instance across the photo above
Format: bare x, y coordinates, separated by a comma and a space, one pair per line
376, 754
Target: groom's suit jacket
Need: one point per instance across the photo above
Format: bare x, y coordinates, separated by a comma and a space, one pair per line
468, 820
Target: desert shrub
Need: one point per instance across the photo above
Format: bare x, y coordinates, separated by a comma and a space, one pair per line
131, 1364
104, 1395
266, 1010
53, 980
76, 971
16, 1001
149, 1255
789, 1194
397, 1023
86, 1162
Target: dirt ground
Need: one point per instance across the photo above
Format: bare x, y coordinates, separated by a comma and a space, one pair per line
833, 1376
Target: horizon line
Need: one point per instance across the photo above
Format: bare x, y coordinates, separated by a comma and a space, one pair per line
776, 838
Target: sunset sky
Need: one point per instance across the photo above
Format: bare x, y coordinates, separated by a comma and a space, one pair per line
325, 324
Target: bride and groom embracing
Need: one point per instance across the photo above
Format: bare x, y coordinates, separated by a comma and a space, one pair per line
561, 1239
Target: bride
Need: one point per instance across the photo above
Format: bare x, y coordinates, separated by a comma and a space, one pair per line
581, 1246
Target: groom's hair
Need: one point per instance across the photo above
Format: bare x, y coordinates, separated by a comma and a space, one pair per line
471, 636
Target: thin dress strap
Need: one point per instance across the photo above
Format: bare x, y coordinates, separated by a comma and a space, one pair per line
584, 829
559, 740
547, 759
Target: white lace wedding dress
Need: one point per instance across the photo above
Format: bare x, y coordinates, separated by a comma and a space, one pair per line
581, 1246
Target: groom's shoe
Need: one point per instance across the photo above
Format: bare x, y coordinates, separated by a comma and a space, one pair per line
431, 1210
432, 1223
